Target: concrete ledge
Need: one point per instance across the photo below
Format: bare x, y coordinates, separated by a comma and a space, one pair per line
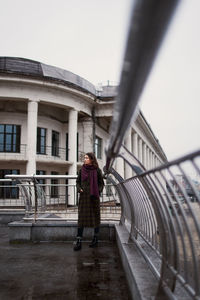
143, 285
7, 216
20, 233
59, 231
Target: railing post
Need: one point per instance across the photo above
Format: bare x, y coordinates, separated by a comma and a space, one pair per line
36, 199
123, 211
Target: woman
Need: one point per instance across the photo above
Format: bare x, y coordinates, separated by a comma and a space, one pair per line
89, 184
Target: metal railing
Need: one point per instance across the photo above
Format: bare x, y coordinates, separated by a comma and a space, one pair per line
53, 152
57, 153
148, 24
45, 152
161, 210
160, 207
53, 194
7, 149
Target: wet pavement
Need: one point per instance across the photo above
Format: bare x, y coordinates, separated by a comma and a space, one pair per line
55, 271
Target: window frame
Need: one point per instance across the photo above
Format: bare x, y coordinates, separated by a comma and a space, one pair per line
14, 136
98, 147
41, 137
55, 136
10, 186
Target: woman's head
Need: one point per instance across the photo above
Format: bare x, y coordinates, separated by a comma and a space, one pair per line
90, 159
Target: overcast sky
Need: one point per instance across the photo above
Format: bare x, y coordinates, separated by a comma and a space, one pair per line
87, 37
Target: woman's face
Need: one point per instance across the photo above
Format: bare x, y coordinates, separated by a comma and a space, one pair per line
87, 160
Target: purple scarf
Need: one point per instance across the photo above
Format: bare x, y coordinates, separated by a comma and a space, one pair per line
91, 172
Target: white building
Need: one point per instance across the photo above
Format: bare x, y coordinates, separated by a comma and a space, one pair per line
50, 117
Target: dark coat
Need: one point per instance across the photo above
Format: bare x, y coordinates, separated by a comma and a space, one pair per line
89, 207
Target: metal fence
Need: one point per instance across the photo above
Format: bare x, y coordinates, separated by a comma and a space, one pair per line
18, 149
44, 152
57, 153
161, 210
53, 194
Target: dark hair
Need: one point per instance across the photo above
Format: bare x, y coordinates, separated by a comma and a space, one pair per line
93, 159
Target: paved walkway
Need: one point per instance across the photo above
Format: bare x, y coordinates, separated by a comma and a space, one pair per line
55, 271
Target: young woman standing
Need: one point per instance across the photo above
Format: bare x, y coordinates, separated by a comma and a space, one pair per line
89, 184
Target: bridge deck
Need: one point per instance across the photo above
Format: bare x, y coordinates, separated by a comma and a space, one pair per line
55, 271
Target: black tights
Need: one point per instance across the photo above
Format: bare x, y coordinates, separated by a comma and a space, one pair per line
80, 231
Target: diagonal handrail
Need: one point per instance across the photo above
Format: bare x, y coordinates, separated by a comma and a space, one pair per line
148, 23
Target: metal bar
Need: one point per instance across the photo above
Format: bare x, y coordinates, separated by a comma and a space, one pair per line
148, 24
31, 177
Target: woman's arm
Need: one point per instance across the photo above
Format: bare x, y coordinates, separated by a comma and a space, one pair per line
100, 180
78, 182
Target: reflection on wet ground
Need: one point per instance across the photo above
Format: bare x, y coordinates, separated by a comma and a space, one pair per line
55, 271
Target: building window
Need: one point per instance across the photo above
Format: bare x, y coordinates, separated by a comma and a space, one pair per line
42, 182
10, 138
98, 147
8, 189
41, 140
54, 186
55, 143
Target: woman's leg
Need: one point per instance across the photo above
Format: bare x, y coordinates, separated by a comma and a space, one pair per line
80, 232
77, 245
94, 242
96, 231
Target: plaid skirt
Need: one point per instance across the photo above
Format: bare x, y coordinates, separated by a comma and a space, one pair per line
88, 211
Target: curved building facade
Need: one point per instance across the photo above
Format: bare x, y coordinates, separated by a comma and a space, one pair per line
50, 117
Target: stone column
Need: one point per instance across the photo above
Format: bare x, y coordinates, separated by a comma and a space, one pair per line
140, 150
149, 158
72, 140
72, 144
153, 160
88, 135
128, 143
145, 155
135, 144
157, 162
31, 136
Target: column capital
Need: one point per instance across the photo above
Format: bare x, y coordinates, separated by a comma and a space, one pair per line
33, 100
72, 113
72, 109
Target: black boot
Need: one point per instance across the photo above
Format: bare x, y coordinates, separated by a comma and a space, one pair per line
94, 242
77, 245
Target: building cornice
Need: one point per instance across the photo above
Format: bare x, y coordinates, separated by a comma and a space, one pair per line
141, 121
41, 82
